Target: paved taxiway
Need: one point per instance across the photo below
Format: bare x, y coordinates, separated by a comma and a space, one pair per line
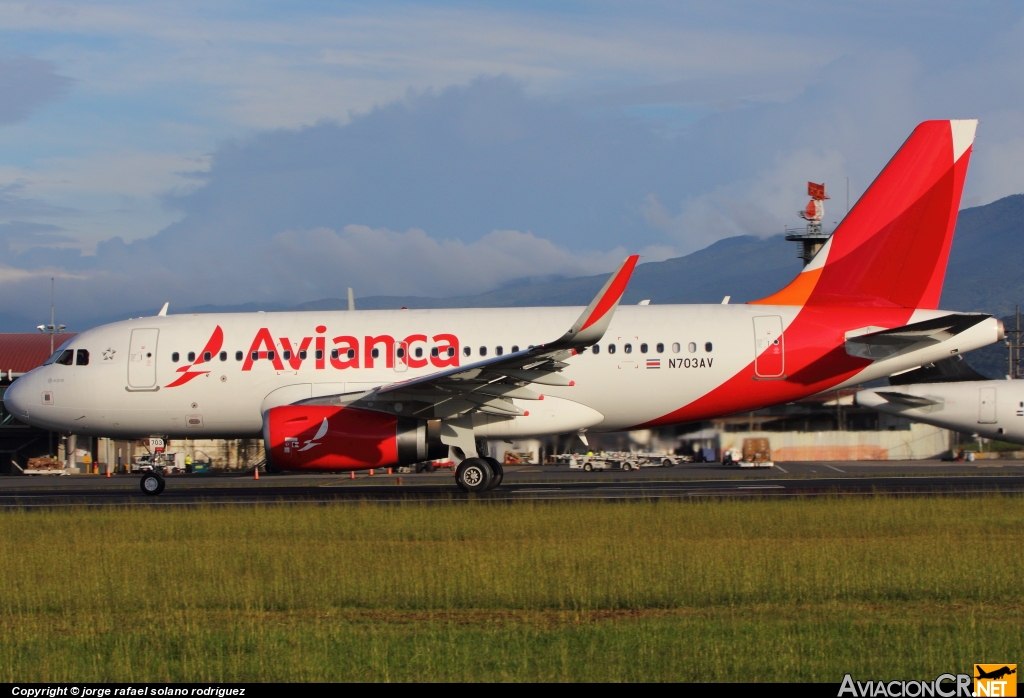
530, 482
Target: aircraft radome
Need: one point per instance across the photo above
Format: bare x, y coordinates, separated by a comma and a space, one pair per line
334, 391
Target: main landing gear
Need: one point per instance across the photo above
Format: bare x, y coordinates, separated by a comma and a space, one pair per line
152, 483
479, 474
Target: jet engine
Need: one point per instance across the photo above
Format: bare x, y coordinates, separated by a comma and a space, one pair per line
324, 438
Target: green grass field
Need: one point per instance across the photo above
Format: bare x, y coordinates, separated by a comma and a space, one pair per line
790, 590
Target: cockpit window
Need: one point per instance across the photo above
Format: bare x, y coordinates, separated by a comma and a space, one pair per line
82, 358
66, 357
57, 354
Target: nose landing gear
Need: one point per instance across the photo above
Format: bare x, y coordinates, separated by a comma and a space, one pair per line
152, 484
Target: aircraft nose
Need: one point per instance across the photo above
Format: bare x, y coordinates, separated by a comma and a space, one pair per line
16, 399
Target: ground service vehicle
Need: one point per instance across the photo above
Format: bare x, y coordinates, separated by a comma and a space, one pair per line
351, 390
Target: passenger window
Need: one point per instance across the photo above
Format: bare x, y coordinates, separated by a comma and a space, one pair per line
223, 356
643, 348
596, 348
467, 351
238, 356
207, 356
302, 354
483, 351
271, 355
451, 351
351, 353
660, 348
175, 357
675, 347
400, 352
286, 355
319, 354
691, 347
83, 357
255, 356
498, 351
707, 346
375, 353
66, 358
515, 348
191, 357
334, 353
611, 348
628, 348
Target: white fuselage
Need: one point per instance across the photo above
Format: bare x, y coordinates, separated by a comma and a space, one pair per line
993, 409
665, 358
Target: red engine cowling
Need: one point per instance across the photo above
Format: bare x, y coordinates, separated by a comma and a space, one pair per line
324, 438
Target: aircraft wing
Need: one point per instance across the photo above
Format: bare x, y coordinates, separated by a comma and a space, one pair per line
882, 344
489, 386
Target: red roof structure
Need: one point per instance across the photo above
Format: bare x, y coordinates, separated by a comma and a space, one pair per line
21, 352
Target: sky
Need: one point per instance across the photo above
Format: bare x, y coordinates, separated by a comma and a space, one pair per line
227, 153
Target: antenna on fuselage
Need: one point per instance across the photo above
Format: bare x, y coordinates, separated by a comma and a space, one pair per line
351, 299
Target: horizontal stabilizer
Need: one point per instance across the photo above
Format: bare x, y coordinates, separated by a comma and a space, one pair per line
952, 370
885, 343
906, 399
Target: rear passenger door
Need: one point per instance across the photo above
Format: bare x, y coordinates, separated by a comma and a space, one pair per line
769, 347
986, 406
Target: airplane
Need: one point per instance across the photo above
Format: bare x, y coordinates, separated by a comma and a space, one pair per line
990, 408
353, 390
995, 673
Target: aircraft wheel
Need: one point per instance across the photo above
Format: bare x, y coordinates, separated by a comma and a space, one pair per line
588, 467
152, 484
473, 475
497, 470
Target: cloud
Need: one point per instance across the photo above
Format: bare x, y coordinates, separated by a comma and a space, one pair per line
28, 84
295, 266
443, 150
14, 204
381, 261
18, 236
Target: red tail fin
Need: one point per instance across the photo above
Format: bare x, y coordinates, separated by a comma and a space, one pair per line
892, 248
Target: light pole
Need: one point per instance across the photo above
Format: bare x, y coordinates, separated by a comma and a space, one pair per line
51, 329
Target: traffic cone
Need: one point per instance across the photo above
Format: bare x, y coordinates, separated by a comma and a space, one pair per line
351, 474
371, 472
389, 471
256, 474
108, 472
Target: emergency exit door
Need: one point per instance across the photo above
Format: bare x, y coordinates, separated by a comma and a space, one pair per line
986, 406
769, 347
142, 359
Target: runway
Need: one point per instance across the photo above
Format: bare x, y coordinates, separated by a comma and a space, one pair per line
529, 483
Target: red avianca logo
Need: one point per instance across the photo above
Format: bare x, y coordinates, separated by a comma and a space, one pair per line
213, 346
346, 351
